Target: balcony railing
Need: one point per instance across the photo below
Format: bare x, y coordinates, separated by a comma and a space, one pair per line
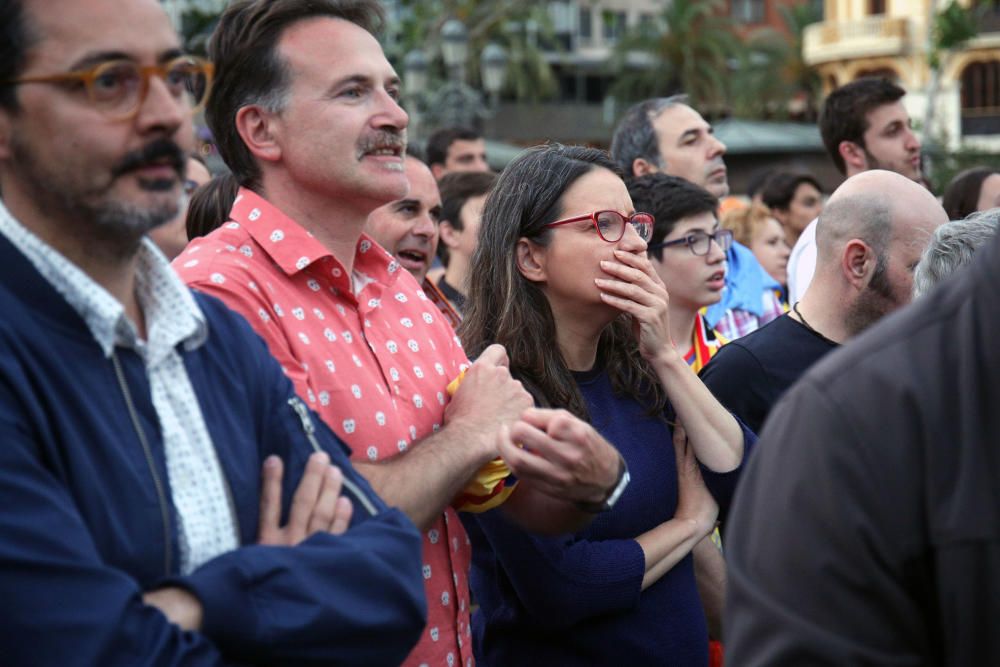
868, 37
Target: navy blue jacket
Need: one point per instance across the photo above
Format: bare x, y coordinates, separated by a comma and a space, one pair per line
87, 525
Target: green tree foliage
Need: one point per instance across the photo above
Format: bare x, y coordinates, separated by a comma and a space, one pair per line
771, 78
196, 28
950, 29
688, 51
520, 26
696, 50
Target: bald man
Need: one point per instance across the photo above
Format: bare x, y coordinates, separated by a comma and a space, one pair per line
866, 527
870, 238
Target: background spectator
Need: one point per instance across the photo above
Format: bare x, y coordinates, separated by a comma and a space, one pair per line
757, 229
952, 247
976, 189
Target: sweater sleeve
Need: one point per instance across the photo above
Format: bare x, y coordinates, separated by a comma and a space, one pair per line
563, 580
352, 599
64, 604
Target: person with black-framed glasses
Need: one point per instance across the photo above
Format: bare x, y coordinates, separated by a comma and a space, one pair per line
688, 250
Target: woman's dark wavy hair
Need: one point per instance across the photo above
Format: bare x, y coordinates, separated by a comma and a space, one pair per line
504, 307
961, 197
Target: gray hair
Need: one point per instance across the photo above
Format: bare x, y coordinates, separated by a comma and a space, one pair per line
635, 137
952, 247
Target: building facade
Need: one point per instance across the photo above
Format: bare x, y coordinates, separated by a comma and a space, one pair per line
891, 38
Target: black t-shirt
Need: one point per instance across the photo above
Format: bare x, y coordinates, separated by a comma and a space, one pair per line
866, 526
750, 374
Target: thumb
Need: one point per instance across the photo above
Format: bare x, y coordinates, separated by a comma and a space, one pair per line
494, 355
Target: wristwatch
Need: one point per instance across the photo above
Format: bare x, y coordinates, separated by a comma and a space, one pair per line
613, 496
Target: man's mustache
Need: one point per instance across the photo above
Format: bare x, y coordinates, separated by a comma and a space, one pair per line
150, 154
383, 139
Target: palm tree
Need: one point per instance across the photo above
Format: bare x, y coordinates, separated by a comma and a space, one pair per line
690, 52
516, 25
771, 78
950, 29
804, 79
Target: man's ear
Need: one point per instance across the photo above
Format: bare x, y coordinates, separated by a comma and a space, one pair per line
858, 263
259, 132
437, 170
531, 260
449, 235
853, 155
642, 166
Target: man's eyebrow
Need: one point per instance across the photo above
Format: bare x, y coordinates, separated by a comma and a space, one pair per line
363, 80
98, 57
686, 134
360, 79
170, 54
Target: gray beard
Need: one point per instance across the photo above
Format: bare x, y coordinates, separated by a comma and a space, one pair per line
104, 225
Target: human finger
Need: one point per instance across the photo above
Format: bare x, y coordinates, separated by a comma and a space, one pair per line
495, 355
565, 448
325, 510
628, 287
269, 524
619, 292
541, 418
526, 465
639, 261
342, 518
306, 495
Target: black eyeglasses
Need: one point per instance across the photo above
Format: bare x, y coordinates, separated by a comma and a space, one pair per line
118, 87
610, 225
699, 243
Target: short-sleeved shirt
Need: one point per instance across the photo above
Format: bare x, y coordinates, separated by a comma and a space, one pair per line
802, 263
369, 352
749, 375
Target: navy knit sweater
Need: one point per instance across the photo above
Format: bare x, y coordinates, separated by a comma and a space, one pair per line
575, 599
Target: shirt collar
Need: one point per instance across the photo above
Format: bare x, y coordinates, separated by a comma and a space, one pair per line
294, 249
172, 315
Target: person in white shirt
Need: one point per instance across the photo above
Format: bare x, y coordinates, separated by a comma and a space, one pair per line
864, 126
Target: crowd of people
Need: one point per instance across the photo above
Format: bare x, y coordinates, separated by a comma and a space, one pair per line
347, 404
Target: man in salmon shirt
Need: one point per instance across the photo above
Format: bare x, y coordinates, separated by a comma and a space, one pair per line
305, 112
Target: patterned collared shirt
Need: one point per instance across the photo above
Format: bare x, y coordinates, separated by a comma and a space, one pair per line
370, 352
206, 525
738, 323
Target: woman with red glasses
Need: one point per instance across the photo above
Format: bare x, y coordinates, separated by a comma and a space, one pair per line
561, 279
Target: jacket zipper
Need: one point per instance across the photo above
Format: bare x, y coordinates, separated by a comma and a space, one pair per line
136, 424
310, 430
